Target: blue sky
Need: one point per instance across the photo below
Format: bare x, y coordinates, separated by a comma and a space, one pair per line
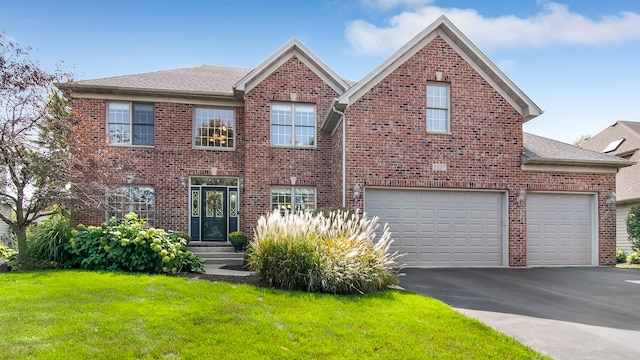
578, 60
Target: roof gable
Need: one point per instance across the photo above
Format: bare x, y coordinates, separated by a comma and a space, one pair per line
444, 28
293, 48
627, 130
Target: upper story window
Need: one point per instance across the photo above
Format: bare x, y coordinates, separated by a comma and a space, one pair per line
214, 129
286, 198
438, 108
293, 125
130, 123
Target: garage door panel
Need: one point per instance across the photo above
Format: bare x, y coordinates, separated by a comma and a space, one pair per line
455, 228
559, 229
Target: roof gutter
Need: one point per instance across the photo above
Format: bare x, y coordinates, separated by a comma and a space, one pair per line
97, 89
554, 161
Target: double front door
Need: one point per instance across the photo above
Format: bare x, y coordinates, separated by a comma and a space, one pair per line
214, 212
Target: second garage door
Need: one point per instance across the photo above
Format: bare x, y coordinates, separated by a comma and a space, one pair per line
441, 227
560, 229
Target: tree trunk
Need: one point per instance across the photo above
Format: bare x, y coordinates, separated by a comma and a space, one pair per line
21, 235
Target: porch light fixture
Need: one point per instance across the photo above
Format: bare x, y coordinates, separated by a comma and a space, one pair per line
356, 192
183, 182
520, 197
611, 200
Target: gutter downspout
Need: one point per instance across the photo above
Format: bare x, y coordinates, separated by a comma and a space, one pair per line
344, 157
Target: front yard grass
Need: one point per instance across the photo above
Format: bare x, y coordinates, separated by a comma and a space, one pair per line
90, 315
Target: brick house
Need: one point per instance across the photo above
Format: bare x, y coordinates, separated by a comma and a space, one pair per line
430, 141
622, 139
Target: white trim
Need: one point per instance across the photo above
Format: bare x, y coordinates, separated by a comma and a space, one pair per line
444, 28
290, 49
569, 168
159, 99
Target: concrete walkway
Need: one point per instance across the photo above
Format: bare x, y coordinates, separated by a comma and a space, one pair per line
216, 269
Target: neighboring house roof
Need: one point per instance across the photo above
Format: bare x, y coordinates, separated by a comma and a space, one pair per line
444, 28
540, 150
293, 48
204, 79
627, 183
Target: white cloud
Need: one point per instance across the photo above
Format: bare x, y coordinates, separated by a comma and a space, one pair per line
555, 24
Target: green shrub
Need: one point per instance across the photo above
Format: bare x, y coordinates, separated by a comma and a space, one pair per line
621, 256
634, 258
238, 239
7, 253
333, 254
127, 245
46, 242
633, 227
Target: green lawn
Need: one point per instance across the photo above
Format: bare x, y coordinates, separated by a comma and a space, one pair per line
87, 315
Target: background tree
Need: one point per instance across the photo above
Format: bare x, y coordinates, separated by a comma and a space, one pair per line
582, 139
633, 227
29, 183
38, 170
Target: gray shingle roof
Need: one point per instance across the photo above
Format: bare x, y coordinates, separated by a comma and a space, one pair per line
540, 150
198, 79
627, 179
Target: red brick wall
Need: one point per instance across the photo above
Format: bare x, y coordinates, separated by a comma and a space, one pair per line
388, 144
162, 165
265, 165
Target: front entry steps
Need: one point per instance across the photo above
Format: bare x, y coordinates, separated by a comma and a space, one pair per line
216, 253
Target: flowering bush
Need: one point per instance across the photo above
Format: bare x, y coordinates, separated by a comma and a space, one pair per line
621, 256
127, 245
6, 253
634, 258
333, 253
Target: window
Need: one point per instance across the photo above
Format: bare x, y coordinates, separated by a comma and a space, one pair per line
285, 198
438, 108
214, 128
293, 125
130, 123
123, 199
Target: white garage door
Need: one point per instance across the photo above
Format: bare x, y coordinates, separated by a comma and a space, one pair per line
441, 228
560, 229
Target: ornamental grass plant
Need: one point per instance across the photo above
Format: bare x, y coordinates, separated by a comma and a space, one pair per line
335, 253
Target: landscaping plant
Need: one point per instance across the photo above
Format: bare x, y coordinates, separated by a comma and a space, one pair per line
127, 245
634, 258
633, 227
6, 253
334, 253
238, 239
621, 256
46, 242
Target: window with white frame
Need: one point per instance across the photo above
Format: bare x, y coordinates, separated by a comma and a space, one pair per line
438, 108
124, 199
293, 125
130, 123
214, 128
298, 198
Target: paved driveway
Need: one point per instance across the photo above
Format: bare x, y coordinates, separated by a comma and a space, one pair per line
567, 313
